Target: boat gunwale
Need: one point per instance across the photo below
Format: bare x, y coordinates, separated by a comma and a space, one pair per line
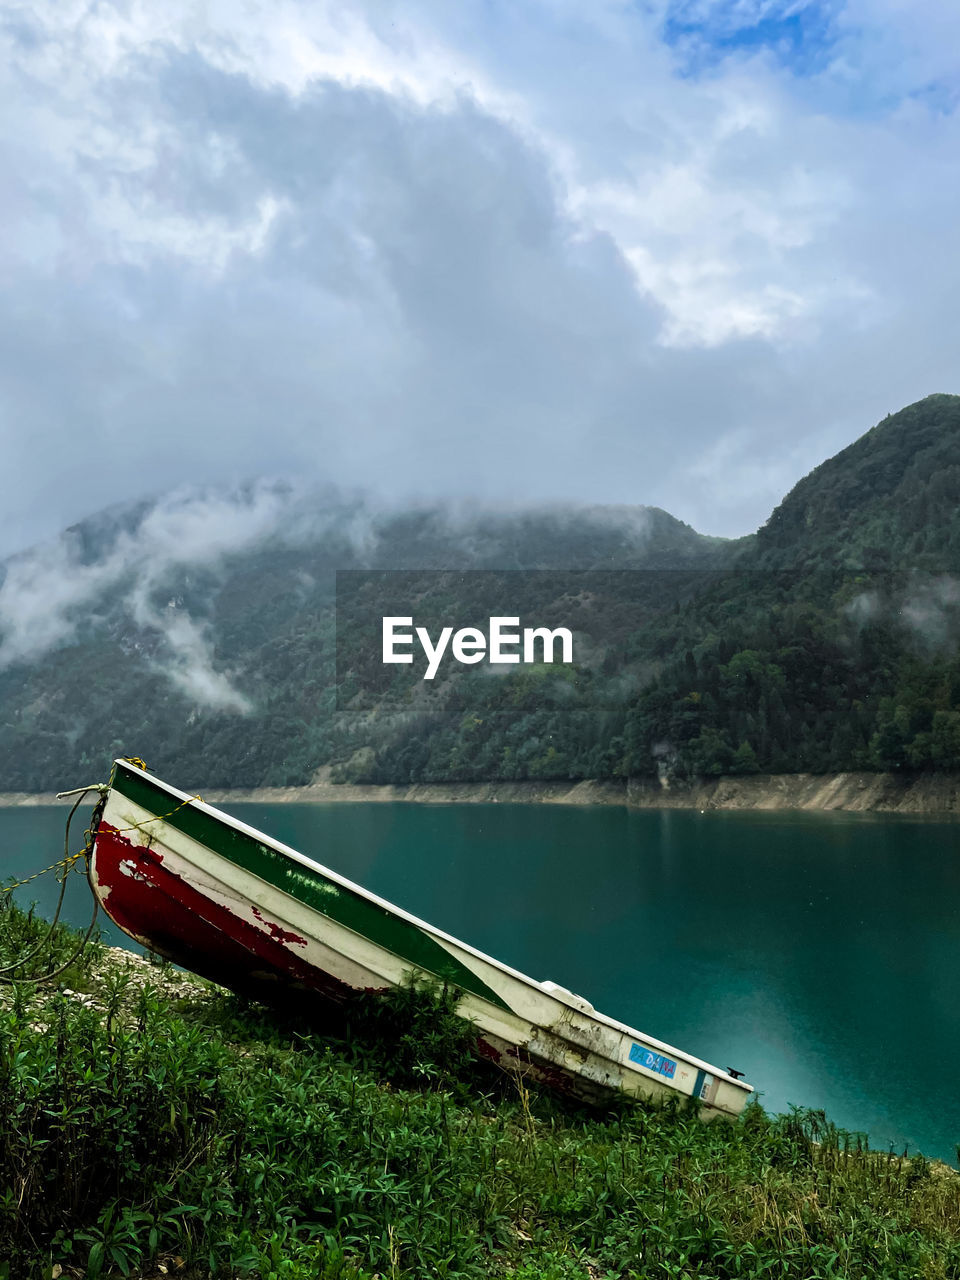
286, 850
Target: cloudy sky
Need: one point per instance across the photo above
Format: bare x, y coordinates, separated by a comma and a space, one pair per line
671, 251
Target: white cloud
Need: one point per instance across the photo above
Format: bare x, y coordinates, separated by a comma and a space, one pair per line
449, 248
47, 591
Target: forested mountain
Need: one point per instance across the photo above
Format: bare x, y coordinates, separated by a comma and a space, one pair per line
889, 500
199, 631
834, 644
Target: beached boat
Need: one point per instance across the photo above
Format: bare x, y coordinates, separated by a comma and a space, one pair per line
223, 899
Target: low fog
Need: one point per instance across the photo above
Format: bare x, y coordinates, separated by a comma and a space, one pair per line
119, 564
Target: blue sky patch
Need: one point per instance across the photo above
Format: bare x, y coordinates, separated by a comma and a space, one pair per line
801, 37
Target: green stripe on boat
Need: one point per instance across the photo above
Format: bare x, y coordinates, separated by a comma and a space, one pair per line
346, 906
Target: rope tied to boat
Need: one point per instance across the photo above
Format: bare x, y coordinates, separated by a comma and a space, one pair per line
72, 861
66, 864
69, 860
158, 817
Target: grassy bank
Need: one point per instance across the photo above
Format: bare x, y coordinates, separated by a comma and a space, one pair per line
150, 1124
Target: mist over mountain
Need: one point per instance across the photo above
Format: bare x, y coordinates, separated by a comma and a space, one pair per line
198, 630
201, 625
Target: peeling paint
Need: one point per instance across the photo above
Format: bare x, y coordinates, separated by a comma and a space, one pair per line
200, 933
278, 932
128, 868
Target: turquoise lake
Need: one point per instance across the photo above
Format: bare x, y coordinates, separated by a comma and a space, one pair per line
817, 953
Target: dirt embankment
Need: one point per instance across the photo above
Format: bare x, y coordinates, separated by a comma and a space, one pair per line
864, 792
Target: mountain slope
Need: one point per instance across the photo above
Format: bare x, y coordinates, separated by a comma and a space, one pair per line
834, 644
199, 631
889, 500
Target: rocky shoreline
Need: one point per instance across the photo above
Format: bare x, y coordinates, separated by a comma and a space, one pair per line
932, 793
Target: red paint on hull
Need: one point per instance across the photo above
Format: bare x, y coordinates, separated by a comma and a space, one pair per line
156, 906
277, 931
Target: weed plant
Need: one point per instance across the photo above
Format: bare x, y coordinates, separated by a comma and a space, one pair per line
251, 1146
27, 937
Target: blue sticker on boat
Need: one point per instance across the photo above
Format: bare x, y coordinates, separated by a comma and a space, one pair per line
653, 1061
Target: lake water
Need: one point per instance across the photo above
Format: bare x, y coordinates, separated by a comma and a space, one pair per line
817, 953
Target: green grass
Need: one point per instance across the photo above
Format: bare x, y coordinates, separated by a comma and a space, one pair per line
203, 1128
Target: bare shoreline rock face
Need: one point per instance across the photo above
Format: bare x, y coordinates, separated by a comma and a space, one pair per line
923, 793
